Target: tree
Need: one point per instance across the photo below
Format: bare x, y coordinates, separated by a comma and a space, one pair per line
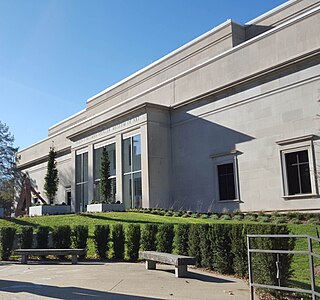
8, 171
51, 180
105, 181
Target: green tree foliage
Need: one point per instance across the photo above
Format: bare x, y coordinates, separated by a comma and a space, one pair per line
105, 181
52, 178
8, 172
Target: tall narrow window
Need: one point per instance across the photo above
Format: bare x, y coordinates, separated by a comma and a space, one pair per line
226, 182
111, 149
132, 187
298, 172
81, 181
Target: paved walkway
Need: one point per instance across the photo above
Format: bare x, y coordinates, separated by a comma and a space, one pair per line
125, 281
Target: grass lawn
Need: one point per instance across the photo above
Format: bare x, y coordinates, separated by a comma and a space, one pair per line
301, 275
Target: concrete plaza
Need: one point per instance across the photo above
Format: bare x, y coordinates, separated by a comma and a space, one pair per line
97, 280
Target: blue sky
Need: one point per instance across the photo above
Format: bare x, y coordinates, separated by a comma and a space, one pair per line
55, 54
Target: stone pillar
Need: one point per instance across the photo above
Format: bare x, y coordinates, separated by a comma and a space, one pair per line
119, 190
73, 181
90, 174
145, 166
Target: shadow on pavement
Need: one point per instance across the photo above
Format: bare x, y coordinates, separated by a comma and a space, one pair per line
61, 292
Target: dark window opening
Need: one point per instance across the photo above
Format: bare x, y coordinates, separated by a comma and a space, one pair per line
226, 182
298, 172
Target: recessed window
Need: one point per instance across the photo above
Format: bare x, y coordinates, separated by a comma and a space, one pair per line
226, 187
298, 173
298, 168
226, 182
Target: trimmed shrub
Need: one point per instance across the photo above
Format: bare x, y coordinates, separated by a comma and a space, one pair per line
225, 217
205, 237
239, 250
26, 237
263, 265
214, 217
6, 241
80, 237
118, 241
221, 248
181, 238
61, 237
42, 237
101, 239
148, 237
133, 241
194, 243
165, 237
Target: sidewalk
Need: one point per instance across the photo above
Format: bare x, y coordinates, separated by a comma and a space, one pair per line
125, 281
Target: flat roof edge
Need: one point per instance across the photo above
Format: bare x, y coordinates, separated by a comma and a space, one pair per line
272, 11
188, 44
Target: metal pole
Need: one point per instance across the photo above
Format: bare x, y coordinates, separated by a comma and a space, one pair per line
311, 268
250, 271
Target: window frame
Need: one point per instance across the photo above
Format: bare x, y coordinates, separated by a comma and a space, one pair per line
304, 143
222, 159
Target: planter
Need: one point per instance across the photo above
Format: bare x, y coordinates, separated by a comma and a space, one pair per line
101, 207
43, 210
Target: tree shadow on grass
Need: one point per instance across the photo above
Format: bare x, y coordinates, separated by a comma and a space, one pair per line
56, 292
20, 222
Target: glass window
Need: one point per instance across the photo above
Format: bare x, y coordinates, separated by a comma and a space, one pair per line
298, 172
81, 181
111, 149
132, 186
226, 182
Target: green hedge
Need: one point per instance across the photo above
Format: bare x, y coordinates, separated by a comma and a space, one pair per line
148, 237
118, 240
42, 237
26, 237
7, 235
133, 241
80, 237
165, 237
61, 237
101, 240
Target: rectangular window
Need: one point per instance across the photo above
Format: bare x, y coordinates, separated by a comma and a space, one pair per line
298, 172
81, 181
298, 167
111, 149
226, 182
132, 186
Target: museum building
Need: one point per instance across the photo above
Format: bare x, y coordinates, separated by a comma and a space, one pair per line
228, 121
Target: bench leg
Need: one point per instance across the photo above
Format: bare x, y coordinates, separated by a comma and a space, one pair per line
74, 259
150, 265
180, 271
24, 259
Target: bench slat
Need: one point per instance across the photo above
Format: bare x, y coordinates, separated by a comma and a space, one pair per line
41, 252
167, 258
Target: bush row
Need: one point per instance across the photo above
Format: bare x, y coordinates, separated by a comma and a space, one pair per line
261, 217
219, 247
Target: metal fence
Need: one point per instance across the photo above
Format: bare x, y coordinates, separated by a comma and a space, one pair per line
308, 252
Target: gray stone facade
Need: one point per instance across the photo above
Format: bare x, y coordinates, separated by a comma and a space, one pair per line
228, 121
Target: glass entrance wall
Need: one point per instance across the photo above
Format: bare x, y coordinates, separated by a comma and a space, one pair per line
132, 187
81, 182
111, 149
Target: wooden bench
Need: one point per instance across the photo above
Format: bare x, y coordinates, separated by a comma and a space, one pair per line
180, 262
44, 252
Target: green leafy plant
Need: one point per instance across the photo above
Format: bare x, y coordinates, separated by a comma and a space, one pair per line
7, 235
101, 240
80, 237
165, 237
118, 241
42, 237
105, 181
26, 237
194, 243
51, 179
181, 238
148, 237
133, 241
61, 237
